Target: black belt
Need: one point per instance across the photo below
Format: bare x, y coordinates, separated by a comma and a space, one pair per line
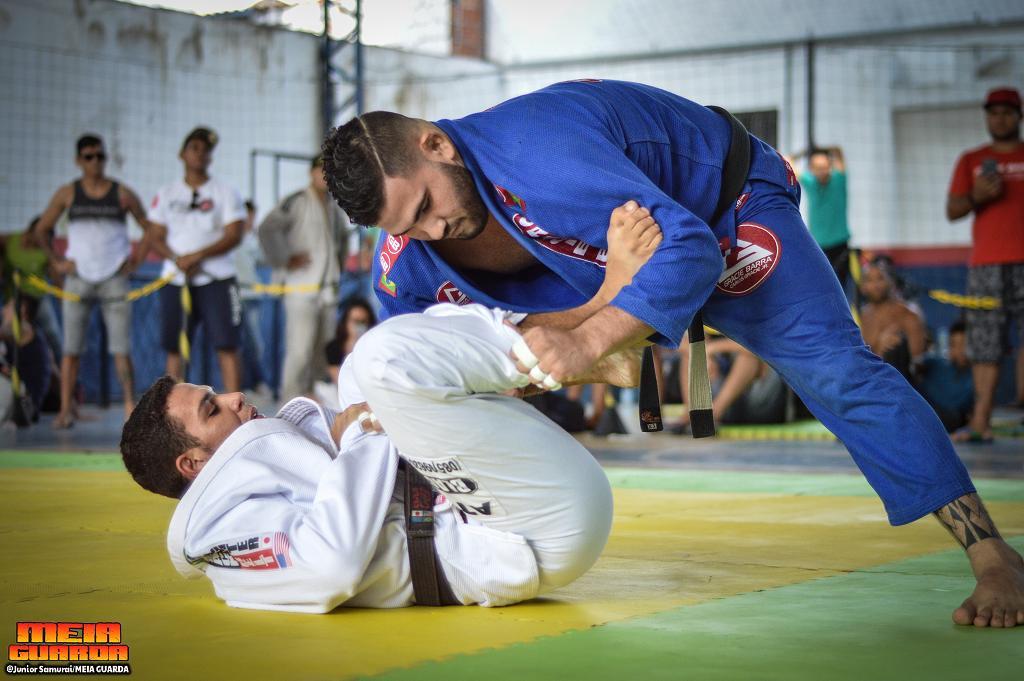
734, 176
428, 581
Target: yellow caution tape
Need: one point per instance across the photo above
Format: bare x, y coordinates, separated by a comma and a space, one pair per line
855, 266
186, 313
151, 287
157, 284
16, 330
970, 302
281, 289
47, 287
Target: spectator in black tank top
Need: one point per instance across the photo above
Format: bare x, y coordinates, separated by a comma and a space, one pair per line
96, 266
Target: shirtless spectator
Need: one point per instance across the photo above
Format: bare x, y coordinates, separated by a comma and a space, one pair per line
892, 330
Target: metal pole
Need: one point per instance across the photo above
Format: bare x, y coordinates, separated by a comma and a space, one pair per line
277, 179
326, 87
810, 95
252, 175
359, 58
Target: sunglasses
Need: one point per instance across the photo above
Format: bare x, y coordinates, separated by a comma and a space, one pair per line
99, 156
197, 204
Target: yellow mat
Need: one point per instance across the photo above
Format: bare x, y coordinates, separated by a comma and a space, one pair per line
89, 546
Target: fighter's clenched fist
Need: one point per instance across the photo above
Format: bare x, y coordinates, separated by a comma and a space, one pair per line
552, 356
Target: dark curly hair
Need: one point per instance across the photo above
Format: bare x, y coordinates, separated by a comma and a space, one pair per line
360, 153
152, 439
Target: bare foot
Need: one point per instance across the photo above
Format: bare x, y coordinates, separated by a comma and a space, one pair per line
64, 420
998, 599
621, 369
633, 236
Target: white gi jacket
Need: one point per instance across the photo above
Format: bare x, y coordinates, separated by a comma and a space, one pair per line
278, 519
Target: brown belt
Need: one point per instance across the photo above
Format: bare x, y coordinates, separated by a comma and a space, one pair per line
429, 584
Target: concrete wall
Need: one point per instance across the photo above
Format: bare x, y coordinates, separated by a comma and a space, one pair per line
525, 31
901, 105
142, 78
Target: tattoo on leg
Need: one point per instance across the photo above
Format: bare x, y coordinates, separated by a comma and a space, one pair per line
967, 520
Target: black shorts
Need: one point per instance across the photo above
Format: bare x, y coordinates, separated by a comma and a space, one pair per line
215, 305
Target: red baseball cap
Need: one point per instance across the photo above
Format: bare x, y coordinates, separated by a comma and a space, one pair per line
1005, 96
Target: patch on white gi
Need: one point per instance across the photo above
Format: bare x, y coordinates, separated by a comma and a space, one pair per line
269, 551
449, 477
751, 261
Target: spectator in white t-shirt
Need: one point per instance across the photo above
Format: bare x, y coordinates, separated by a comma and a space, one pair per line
197, 221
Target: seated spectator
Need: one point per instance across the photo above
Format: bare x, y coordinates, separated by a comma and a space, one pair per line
23, 347
598, 398
357, 318
27, 254
891, 328
947, 384
744, 388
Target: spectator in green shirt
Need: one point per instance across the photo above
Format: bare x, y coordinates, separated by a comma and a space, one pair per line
824, 185
24, 253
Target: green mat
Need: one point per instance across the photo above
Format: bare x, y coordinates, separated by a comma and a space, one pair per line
889, 622
797, 430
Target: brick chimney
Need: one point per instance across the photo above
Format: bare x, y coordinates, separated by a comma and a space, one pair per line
468, 28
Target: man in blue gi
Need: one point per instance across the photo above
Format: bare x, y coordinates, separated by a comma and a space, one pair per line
509, 208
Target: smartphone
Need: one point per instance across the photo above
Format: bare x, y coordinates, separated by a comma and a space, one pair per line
989, 166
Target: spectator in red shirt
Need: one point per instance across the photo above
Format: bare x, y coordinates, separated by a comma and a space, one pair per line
989, 182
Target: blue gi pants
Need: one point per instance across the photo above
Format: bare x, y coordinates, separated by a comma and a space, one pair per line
799, 322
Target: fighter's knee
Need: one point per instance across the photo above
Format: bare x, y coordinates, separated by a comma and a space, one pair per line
382, 353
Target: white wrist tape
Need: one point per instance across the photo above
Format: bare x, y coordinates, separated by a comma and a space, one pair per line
551, 384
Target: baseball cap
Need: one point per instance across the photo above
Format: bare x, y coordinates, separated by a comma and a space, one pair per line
318, 161
204, 134
1006, 96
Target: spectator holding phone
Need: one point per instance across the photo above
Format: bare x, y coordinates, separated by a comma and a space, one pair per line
989, 182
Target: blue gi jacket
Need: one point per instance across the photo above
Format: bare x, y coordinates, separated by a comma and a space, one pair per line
551, 166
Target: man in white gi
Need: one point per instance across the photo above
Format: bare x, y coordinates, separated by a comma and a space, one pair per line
302, 512
301, 239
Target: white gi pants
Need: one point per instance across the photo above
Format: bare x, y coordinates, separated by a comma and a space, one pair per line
431, 379
309, 325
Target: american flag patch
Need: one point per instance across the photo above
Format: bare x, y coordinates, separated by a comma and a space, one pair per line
270, 551
282, 548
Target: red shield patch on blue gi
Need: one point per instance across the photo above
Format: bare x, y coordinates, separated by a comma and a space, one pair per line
750, 261
450, 293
